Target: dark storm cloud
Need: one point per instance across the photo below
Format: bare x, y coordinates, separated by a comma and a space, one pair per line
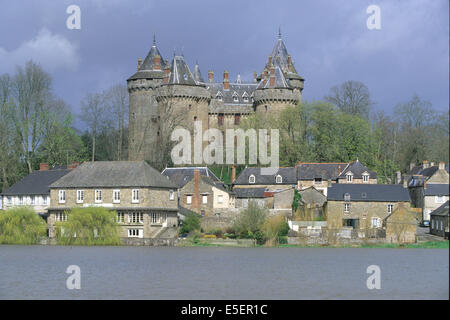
328, 40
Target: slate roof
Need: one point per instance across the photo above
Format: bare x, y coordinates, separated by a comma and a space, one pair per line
368, 192
288, 176
249, 192
436, 189
236, 89
113, 174
36, 183
147, 69
182, 175
180, 73
442, 210
214, 183
326, 171
280, 80
357, 168
197, 74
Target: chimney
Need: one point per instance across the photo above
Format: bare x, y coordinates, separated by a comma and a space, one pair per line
157, 62
441, 165
166, 73
272, 77
398, 177
139, 63
411, 165
211, 76
43, 167
254, 76
226, 82
233, 173
196, 184
425, 164
73, 165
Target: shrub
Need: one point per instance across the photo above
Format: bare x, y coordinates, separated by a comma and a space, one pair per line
274, 229
191, 223
89, 226
251, 219
21, 226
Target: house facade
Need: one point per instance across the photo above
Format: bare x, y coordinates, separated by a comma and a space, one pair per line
34, 189
439, 221
146, 202
363, 206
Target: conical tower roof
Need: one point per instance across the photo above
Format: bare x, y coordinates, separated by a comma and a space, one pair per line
149, 62
197, 74
180, 73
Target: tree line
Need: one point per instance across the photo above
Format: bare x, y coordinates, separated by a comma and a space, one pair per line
36, 126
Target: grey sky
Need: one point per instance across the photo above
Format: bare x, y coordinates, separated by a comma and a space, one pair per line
328, 40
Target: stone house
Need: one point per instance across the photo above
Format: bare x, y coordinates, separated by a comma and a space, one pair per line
245, 195
401, 225
363, 206
34, 189
439, 221
146, 202
322, 175
205, 196
312, 204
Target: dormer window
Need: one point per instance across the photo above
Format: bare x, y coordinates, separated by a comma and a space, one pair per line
245, 97
219, 96
349, 177
279, 179
251, 179
235, 97
365, 177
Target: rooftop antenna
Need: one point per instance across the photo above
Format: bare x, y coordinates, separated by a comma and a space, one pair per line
154, 38
279, 32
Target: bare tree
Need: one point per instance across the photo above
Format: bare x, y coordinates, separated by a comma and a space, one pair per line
31, 92
93, 114
116, 99
351, 97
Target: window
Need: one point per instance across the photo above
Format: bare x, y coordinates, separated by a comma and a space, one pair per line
20, 200
188, 199
237, 119
98, 195
390, 208
158, 218
251, 179
44, 200
203, 213
62, 196
116, 196
219, 96
136, 217
220, 199
245, 97
439, 199
204, 199
9, 199
60, 216
346, 207
120, 217
365, 178
135, 233
220, 119
235, 97
80, 196
135, 196
33, 200
279, 179
375, 222
171, 195
350, 177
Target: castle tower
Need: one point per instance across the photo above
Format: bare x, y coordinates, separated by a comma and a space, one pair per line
143, 113
183, 95
279, 83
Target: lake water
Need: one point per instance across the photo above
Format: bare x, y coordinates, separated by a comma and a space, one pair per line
39, 272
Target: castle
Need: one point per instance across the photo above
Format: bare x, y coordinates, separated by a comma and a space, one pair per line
161, 92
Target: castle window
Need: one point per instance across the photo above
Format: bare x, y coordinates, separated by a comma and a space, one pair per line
237, 119
219, 96
251, 179
220, 119
245, 97
235, 97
